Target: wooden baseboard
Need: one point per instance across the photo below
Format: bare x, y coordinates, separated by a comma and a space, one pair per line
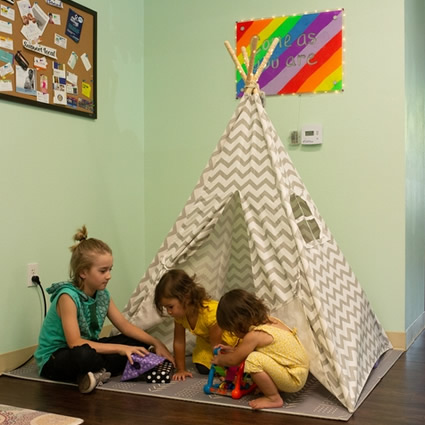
105, 331
14, 359
403, 340
397, 339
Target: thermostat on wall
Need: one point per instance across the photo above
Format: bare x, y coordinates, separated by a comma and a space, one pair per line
311, 134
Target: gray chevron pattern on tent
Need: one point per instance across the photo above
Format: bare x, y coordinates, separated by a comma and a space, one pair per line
251, 223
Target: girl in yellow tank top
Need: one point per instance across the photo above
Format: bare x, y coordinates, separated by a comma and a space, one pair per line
273, 354
191, 308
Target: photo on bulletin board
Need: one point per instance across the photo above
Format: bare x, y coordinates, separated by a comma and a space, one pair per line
308, 56
48, 55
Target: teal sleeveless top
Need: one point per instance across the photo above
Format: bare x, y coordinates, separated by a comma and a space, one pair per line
91, 314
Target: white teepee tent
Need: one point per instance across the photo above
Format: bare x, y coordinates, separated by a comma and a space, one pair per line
251, 223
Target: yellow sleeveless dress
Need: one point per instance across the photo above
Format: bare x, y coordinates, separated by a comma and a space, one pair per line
203, 352
284, 360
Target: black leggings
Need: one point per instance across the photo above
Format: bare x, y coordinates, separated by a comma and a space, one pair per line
68, 364
203, 370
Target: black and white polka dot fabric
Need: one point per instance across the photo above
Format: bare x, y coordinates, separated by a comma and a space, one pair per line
160, 374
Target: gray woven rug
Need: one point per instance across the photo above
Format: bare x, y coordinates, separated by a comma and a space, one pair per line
313, 400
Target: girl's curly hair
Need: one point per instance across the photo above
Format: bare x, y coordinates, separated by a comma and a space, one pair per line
176, 283
238, 310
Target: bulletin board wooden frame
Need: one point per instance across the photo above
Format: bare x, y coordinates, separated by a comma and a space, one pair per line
67, 48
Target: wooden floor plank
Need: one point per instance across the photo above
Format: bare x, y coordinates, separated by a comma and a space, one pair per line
399, 399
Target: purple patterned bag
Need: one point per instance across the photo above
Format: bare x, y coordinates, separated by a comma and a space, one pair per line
140, 365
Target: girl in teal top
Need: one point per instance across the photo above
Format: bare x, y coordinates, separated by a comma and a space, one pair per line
69, 345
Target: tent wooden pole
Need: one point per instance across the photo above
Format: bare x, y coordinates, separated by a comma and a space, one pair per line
254, 41
245, 56
251, 80
235, 60
266, 59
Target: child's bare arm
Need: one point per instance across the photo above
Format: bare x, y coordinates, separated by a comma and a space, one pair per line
67, 311
249, 343
132, 331
215, 334
179, 346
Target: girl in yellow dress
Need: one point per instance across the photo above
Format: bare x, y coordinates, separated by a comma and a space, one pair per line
273, 354
188, 303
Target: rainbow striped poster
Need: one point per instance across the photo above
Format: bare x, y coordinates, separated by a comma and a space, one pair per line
307, 58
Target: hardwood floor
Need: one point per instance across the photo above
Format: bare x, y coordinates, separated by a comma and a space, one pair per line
399, 399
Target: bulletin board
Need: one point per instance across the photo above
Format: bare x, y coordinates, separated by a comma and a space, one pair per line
308, 56
48, 55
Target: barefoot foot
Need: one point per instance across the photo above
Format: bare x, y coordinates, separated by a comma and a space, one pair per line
266, 402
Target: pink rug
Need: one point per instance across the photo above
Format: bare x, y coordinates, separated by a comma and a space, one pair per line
10, 415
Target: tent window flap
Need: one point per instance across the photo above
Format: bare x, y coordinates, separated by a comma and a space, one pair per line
307, 224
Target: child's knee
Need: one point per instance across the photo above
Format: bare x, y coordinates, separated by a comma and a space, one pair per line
255, 362
86, 357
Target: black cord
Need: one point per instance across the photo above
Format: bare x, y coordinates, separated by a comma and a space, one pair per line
36, 280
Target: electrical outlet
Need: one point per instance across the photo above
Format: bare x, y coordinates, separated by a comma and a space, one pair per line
32, 270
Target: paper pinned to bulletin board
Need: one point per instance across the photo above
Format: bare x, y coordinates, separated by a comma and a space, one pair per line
48, 55
307, 58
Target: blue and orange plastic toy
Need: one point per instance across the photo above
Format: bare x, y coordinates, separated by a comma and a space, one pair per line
233, 381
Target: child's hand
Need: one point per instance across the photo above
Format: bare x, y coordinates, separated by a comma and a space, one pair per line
128, 350
220, 352
182, 375
162, 350
216, 358
221, 348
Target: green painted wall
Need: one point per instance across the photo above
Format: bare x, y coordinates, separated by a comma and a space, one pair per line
357, 178
58, 172
165, 94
